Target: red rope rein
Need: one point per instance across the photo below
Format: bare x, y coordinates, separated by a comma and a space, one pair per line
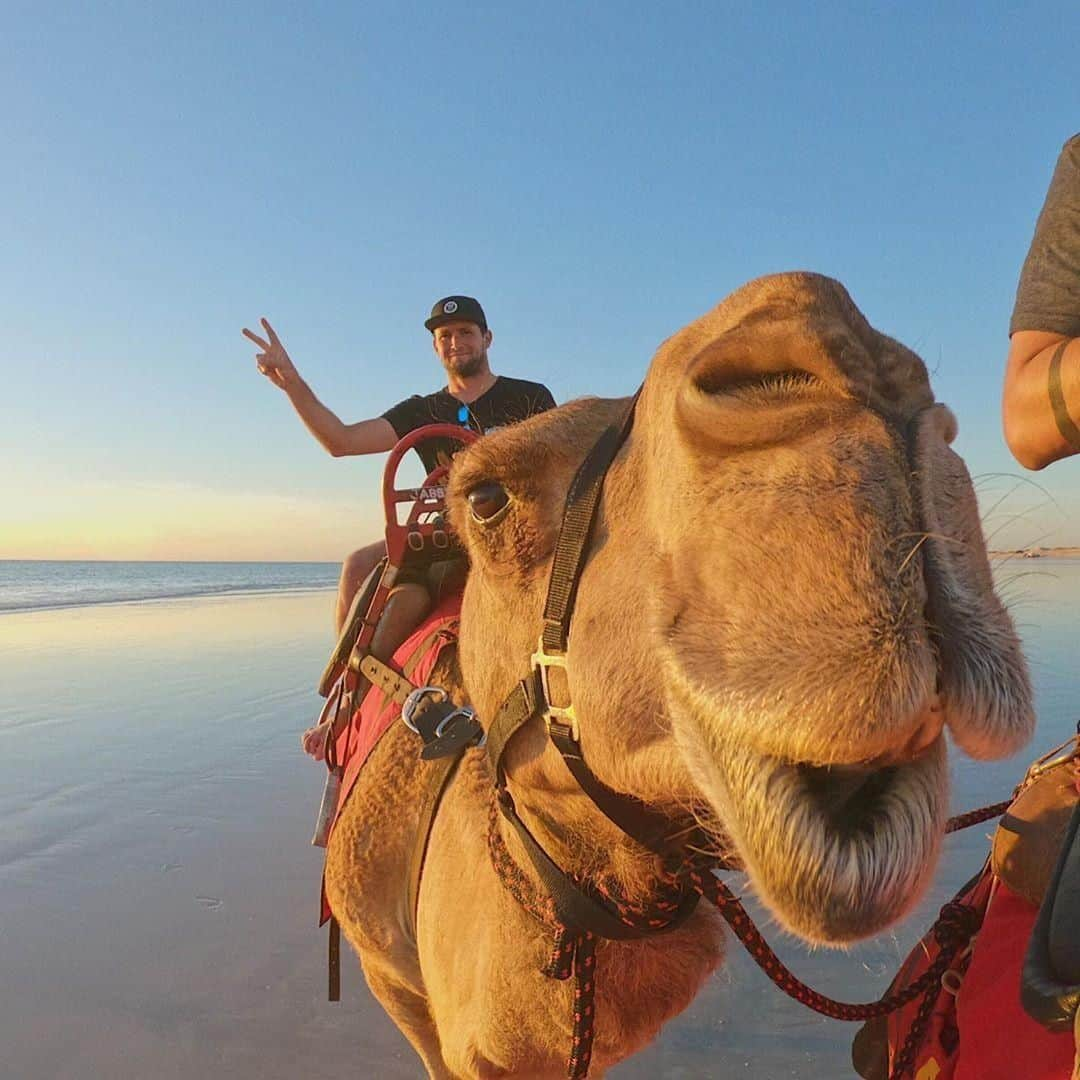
573, 951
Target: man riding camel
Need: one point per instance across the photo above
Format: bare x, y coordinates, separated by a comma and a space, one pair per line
473, 397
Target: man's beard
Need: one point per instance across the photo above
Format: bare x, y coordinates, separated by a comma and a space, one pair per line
465, 367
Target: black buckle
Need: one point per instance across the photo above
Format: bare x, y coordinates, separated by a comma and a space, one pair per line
444, 727
454, 732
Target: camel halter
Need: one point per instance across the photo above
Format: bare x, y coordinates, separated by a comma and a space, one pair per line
579, 911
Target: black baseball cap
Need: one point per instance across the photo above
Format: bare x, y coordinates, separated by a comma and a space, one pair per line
456, 309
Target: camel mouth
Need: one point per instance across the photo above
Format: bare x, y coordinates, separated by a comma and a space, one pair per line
837, 852
846, 794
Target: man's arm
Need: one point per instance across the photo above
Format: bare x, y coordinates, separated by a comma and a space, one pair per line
340, 439
1041, 399
1041, 402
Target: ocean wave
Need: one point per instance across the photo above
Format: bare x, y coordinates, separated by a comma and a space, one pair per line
7, 607
38, 586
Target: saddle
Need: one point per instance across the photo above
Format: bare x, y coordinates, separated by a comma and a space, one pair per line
422, 564
1034, 863
401, 619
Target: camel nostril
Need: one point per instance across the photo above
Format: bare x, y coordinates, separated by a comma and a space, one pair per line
739, 393
739, 381
927, 730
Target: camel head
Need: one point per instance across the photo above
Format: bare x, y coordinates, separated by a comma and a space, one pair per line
787, 601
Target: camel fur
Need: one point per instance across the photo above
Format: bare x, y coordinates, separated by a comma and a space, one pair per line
786, 603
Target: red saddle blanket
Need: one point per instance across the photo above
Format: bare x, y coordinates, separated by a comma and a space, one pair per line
416, 659
998, 1040
978, 1030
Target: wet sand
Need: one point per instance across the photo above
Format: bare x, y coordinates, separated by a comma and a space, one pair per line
159, 896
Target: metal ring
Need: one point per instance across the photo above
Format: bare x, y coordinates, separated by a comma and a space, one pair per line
412, 703
464, 711
951, 981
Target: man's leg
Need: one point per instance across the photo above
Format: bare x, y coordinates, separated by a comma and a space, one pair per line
354, 571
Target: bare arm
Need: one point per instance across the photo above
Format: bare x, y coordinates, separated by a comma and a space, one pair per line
1041, 402
340, 439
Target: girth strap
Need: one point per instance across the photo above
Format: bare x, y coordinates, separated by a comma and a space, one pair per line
383, 677
437, 776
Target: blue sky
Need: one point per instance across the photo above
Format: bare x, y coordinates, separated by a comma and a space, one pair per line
596, 174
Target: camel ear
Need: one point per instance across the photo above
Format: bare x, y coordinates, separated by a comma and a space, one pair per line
984, 676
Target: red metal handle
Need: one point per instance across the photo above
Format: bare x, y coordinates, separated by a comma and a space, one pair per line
428, 499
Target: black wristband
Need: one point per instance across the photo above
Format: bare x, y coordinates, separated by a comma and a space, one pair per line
1069, 431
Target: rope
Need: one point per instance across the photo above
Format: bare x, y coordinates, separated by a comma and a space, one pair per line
953, 929
573, 952
974, 817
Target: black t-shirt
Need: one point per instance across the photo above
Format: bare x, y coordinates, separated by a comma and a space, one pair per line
506, 401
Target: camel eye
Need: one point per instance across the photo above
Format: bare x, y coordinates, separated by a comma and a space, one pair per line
487, 502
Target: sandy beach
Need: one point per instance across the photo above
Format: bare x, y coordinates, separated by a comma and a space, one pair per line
158, 892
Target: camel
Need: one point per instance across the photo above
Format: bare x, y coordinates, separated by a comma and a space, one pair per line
786, 602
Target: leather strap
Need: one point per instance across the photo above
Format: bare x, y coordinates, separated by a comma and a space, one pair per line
576, 908
438, 775
650, 828
395, 686
582, 501
520, 707
333, 961
1050, 980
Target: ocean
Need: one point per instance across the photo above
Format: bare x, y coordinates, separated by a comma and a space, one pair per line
158, 891
28, 585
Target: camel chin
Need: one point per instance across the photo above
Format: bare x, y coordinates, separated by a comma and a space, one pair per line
836, 852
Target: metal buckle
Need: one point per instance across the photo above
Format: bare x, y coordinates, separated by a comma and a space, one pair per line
464, 713
413, 702
541, 661
1058, 756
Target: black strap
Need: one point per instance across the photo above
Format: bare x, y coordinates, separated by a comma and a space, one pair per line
438, 776
582, 501
333, 961
650, 828
1050, 979
1065, 424
446, 729
520, 707
576, 908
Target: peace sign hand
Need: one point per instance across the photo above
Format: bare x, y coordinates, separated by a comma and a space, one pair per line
273, 361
